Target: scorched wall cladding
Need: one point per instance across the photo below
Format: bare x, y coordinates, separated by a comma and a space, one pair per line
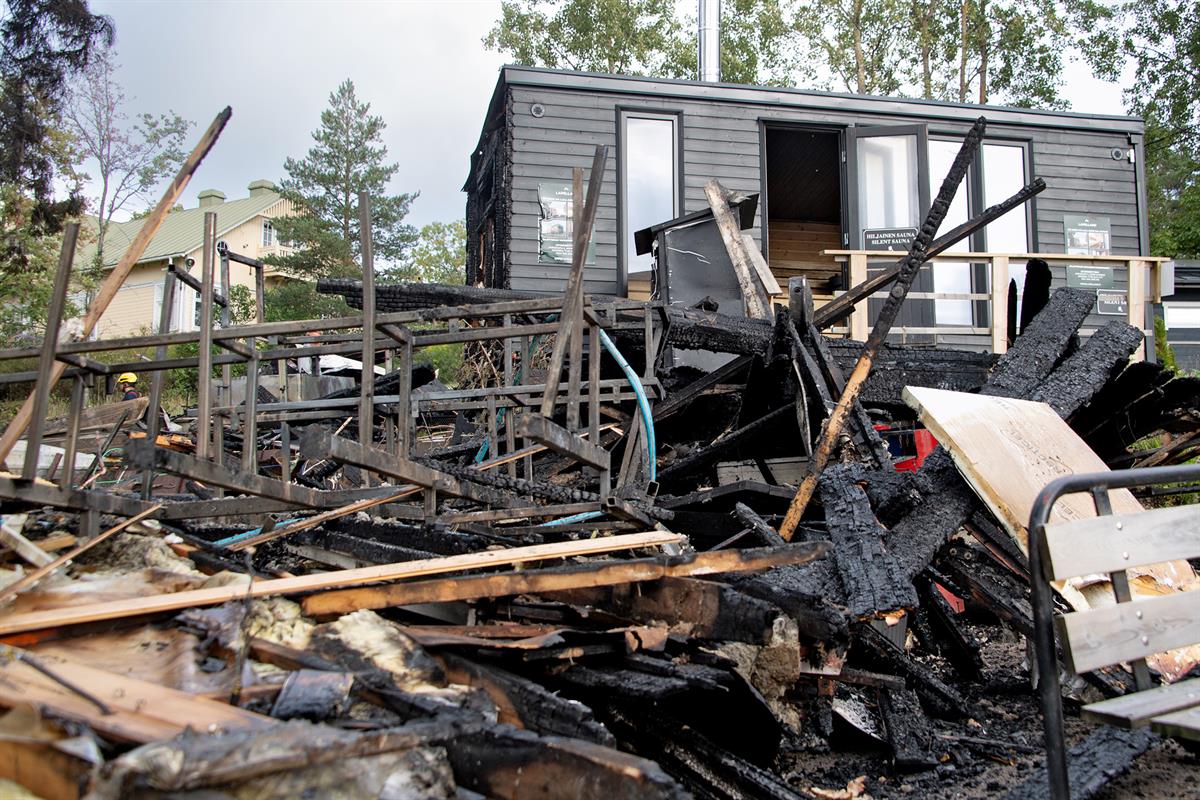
721, 139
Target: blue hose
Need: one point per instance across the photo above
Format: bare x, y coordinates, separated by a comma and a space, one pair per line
643, 403
237, 537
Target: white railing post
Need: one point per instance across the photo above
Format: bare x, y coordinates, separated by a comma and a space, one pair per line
999, 293
1136, 295
859, 324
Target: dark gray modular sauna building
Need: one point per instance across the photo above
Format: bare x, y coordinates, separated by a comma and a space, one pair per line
839, 178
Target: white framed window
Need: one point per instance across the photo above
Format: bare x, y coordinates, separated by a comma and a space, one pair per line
1181, 315
268, 233
650, 173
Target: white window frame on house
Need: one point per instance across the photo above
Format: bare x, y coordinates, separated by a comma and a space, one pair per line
625, 248
268, 233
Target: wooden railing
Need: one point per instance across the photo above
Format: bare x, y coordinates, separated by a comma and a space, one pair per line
1141, 275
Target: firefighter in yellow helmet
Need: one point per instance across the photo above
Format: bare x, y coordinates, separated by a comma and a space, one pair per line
127, 386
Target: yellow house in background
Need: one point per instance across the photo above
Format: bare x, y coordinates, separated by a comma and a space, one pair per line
244, 225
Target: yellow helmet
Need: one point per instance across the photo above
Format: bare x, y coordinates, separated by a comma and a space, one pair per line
127, 377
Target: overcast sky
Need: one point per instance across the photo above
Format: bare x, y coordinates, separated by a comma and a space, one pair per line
420, 64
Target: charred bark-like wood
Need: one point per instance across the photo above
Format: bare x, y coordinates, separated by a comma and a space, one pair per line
908, 731
872, 579
1106, 753
1041, 345
1089, 368
940, 697
763, 532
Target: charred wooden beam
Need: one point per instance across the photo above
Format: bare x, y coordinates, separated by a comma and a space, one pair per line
765, 534
939, 695
872, 578
694, 608
317, 442
1104, 354
526, 704
1041, 346
1105, 754
705, 456
909, 267
908, 731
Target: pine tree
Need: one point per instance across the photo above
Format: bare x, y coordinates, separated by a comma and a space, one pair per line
348, 157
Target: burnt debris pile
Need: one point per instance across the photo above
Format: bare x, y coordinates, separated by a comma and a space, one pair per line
647, 550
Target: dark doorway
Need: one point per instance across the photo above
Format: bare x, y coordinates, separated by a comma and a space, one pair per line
804, 204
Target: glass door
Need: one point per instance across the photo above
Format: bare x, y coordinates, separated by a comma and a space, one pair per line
888, 171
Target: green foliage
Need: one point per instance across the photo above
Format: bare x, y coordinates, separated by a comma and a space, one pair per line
293, 300
241, 304
1162, 37
447, 359
964, 50
42, 44
130, 159
348, 157
632, 37
1163, 352
439, 255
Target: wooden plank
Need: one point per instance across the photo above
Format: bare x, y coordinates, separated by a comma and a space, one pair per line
119, 609
1181, 724
760, 265
999, 292
1120, 541
1009, 449
1135, 710
1099, 637
752, 295
605, 573
141, 711
10, 535
35, 576
542, 430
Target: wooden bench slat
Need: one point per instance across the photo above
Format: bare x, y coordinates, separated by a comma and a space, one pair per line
1121, 541
1135, 710
1179, 725
1100, 637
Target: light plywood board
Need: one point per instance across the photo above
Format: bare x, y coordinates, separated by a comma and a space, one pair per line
1008, 450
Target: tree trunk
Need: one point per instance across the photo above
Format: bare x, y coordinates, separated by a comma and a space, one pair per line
921, 12
963, 50
984, 44
859, 61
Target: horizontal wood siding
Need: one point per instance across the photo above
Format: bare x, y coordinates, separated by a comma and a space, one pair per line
721, 140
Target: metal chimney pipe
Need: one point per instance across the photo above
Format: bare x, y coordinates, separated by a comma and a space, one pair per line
709, 43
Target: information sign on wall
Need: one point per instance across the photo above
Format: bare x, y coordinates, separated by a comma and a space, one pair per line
556, 225
1089, 277
1087, 236
894, 239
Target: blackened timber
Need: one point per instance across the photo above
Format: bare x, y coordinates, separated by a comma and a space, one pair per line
872, 578
908, 731
809, 594
526, 704
680, 399
765, 534
910, 266
692, 607
1105, 754
317, 442
507, 483
41, 493
705, 456
1041, 346
1086, 370
946, 700
147, 455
